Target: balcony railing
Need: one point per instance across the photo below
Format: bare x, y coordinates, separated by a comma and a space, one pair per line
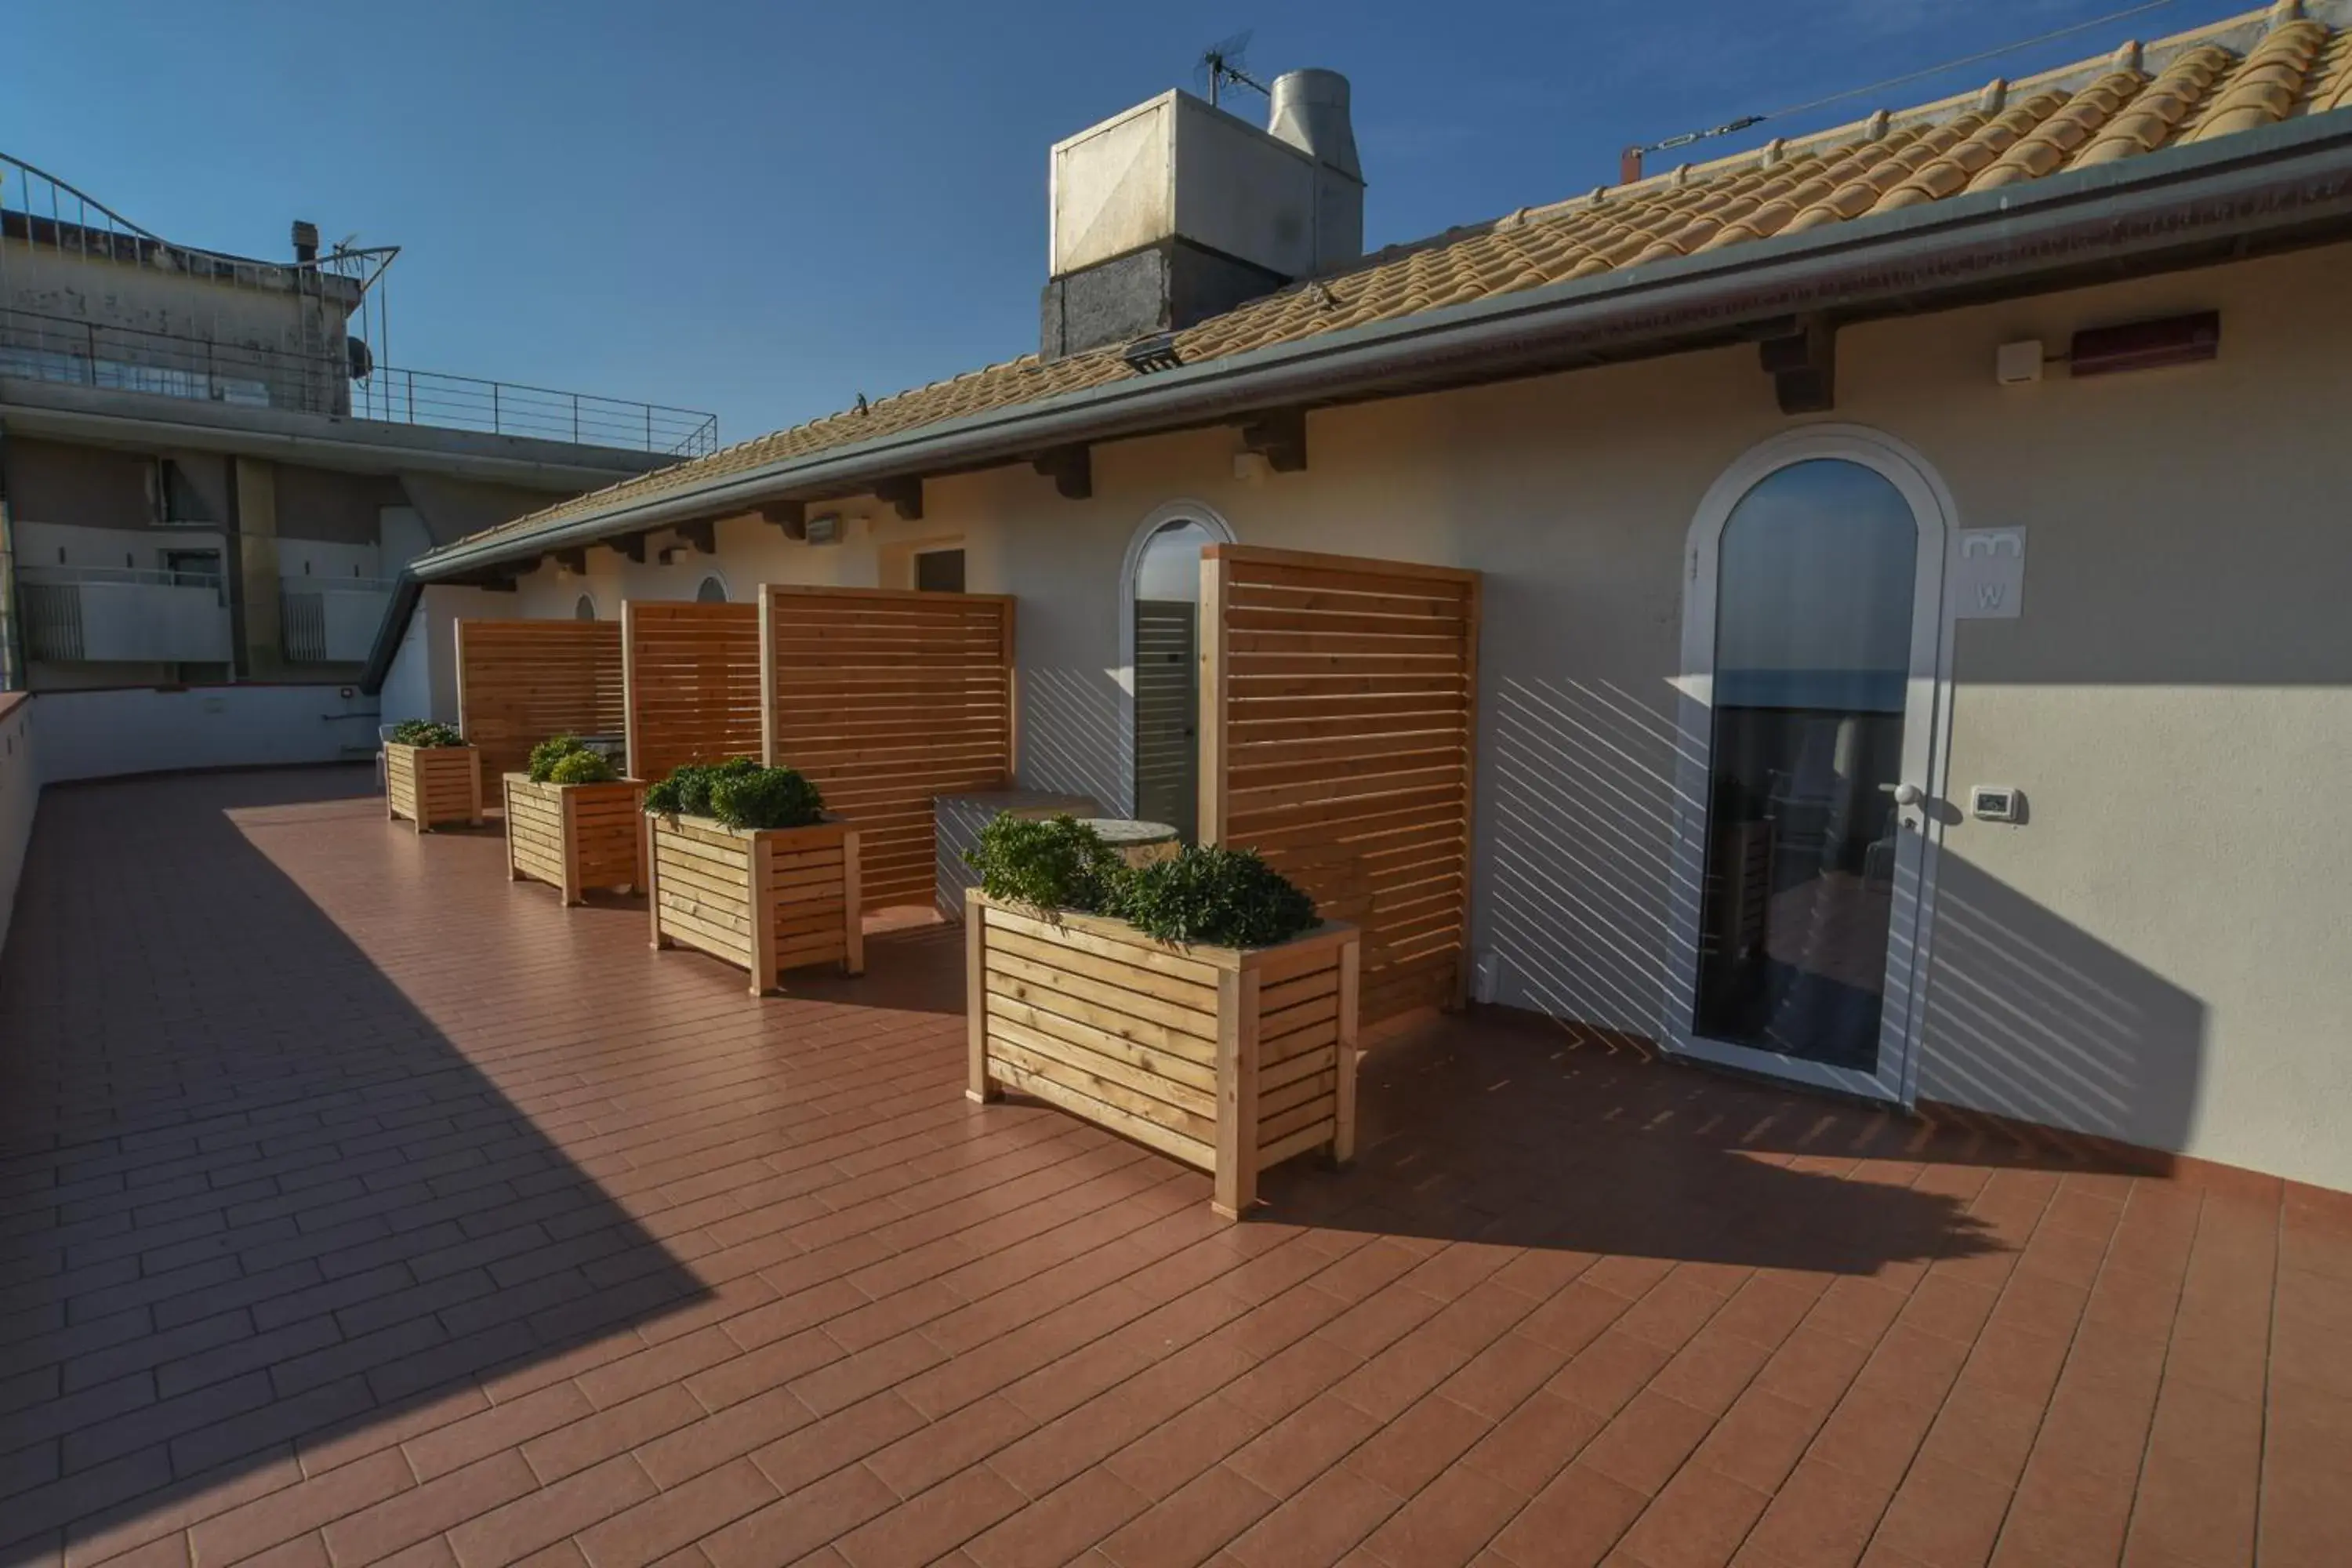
508, 408
102, 614
330, 620
123, 358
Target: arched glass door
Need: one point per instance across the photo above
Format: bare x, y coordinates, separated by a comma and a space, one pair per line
1814, 619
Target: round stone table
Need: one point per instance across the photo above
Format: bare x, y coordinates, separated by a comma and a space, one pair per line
1138, 843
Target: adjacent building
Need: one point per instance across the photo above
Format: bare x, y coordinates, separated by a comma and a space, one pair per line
209, 475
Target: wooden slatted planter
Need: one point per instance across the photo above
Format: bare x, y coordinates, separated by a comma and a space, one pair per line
765, 899
1230, 1059
432, 784
576, 835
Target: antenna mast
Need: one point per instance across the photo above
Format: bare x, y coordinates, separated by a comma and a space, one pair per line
1221, 64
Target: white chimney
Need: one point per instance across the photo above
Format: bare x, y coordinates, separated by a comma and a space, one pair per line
1309, 110
1176, 211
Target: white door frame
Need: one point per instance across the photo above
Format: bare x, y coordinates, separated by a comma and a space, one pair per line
1926, 731
1208, 517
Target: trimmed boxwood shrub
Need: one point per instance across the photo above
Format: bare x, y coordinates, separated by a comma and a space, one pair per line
766, 797
426, 732
581, 767
687, 791
549, 752
1227, 897
1208, 893
739, 793
1048, 863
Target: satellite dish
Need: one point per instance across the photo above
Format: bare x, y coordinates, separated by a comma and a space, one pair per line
1222, 65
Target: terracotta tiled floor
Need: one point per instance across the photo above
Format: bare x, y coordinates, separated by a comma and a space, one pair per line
355, 1202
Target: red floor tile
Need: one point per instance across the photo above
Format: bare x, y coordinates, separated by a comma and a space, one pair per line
358, 1204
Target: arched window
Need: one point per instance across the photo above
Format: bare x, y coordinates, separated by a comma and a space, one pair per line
1163, 595
713, 590
584, 609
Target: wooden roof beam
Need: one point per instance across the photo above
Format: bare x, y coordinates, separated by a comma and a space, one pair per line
1071, 469
792, 515
903, 495
1279, 435
1803, 363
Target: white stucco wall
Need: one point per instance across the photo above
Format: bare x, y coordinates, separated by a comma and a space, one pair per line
422, 681
104, 734
2156, 954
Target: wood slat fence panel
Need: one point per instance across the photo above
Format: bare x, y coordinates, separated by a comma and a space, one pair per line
693, 683
520, 682
1339, 738
886, 698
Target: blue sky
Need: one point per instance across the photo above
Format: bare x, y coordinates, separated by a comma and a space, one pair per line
764, 209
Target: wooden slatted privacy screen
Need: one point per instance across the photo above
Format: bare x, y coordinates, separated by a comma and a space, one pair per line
886, 698
1338, 725
693, 683
520, 682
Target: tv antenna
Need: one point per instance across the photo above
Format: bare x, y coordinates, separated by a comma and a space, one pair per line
1221, 66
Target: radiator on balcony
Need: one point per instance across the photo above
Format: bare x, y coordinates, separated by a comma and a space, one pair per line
331, 620
98, 614
52, 620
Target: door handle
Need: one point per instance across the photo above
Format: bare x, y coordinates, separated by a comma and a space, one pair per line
1909, 795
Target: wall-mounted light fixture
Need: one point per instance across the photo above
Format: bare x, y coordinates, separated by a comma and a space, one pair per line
2143, 345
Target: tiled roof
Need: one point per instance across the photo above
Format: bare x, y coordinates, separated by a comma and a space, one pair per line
2251, 71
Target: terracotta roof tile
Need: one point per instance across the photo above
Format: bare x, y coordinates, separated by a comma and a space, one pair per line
2235, 75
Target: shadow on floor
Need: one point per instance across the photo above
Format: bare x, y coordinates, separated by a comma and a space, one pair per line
250, 1195
1502, 1127
913, 958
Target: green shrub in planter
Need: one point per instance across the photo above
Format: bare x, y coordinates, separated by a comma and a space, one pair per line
549, 752
1207, 893
578, 767
687, 791
740, 793
425, 733
765, 797
1046, 863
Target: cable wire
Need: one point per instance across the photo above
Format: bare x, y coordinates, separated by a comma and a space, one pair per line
1733, 126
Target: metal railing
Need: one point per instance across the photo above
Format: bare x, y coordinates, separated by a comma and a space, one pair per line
510, 408
125, 575
125, 359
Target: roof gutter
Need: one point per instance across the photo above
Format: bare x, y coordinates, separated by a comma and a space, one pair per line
2281, 179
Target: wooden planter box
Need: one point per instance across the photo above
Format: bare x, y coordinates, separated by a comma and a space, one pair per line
766, 899
432, 784
576, 837
1232, 1060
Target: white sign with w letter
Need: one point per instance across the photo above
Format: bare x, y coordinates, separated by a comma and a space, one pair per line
1988, 575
